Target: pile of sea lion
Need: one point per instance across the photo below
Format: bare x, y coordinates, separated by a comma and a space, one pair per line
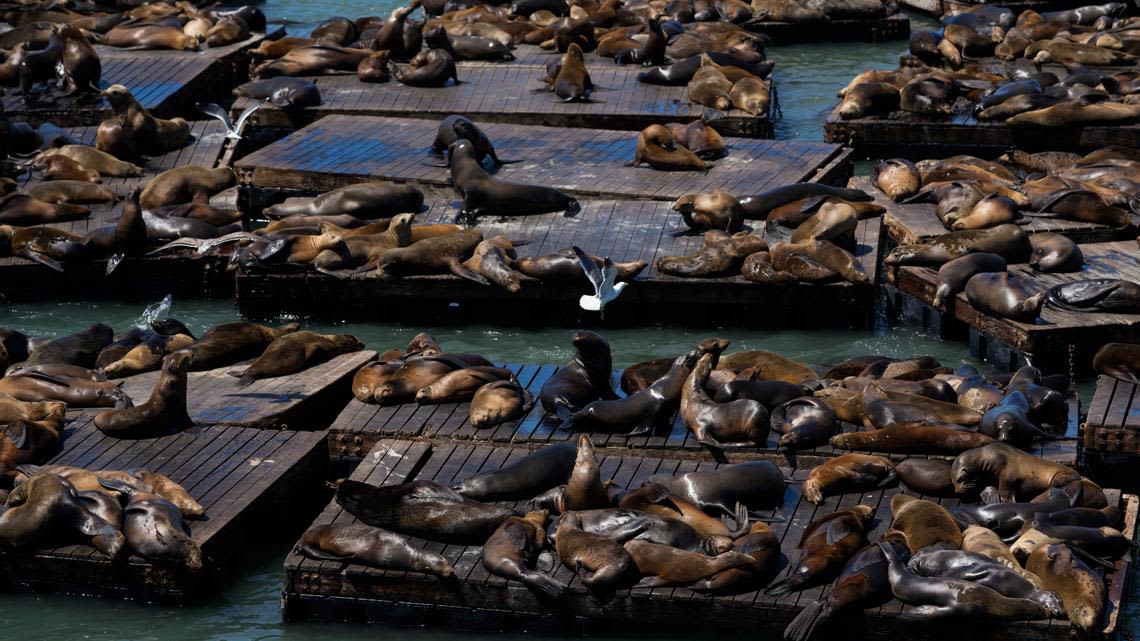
669, 531
972, 193
808, 236
116, 512
1090, 35
49, 59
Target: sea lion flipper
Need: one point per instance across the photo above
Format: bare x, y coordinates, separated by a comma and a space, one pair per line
459, 270
317, 553
19, 439
837, 529
43, 260
55, 380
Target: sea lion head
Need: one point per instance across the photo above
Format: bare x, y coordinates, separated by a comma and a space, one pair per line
588, 342
177, 362
120, 97
346, 342
964, 479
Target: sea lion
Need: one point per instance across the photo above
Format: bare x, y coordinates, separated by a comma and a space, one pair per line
512, 551
923, 524
374, 68
1096, 295
460, 385
492, 259
717, 209
750, 95
912, 438
599, 562
296, 352
584, 490
818, 255
712, 423
897, 178
983, 570
528, 477
757, 485
954, 274
183, 184
584, 379
868, 98
1081, 590
499, 402
456, 127
1102, 542
154, 528
484, 194
149, 36
1119, 360
146, 481
163, 413
24, 209
825, 546
662, 565
1005, 518
621, 525
231, 343
63, 191
993, 209
416, 373
313, 60
1017, 474
982, 540
80, 348
938, 598
1001, 295
23, 442
282, 91
92, 158
368, 200
57, 167
1010, 422
370, 546
133, 130
424, 509
719, 255
757, 207
768, 366
428, 68
564, 266
46, 509
848, 473
763, 546
770, 394
1054, 252
657, 148
572, 83
146, 356
438, 254
927, 476
1008, 241
804, 423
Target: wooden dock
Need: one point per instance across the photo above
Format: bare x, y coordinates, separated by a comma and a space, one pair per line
896, 27
910, 223
330, 590
341, 150
1111, 432
953, 7
306, 401
1047, 343
917, 137
623, 230
135, 278
253, 484
505, 92
360, 426
168, 83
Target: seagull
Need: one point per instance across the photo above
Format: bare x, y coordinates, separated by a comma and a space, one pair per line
603, 281
232, 131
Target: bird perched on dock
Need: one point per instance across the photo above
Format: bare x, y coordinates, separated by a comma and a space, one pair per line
233, 130
602, 278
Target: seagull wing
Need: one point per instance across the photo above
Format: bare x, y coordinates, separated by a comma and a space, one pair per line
597, 279
214, 111
246, 113
609, 272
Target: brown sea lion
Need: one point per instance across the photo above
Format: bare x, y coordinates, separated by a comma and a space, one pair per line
233, 342
663, 565
58, 167
133, 130
367, 200
1017, 474
65, 191
1001, 295
1054, 252
719, 255
149, 36
710, 87
163, 413
273, 49
424, 509
492, 259
146, 356
513, 550
924, 524
154, 483
372, 547
460, 385
762, 544
848, 473
912, 438
927, 476
1081, 589
92, 158
657, 148
584, 490
154, 528
823, 253
499, 402
1008, 241
296, 352
712, 423
565, 267
312, 60
599, 562
429, 68
868, 98
416, 373
23, 442
228, 30
717, 209
825, 546
768, 366
183, 184
24, 209
897, 178
1119, 360
75, 392
992, 210
46, 510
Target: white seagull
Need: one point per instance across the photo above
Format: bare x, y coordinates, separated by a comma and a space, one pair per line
605, 290
233, 131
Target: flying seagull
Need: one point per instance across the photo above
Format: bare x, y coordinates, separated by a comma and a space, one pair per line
605, 290
232, 131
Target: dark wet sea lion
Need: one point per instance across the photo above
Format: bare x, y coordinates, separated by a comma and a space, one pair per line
1010, 421
367, 200
622, 525
80, 348
912, 438
163, 413
1017, 474
1001, 295
927, 476
1081, 589
804, 423
486, 195
825, 546
954, 274
641, 375
983, 570
456, 127
1119, 360
599, 562
848, 473
233, 342
512, 551
424, 509
499, 402
370, 546
712, 423
680, 73
154, 529
1055, 253
937, 598
770, 394
296, 352
1005, 518
583, 380
282, 91
757, 485
104, 506
429, 68
532, 475
46, 509
1096, 295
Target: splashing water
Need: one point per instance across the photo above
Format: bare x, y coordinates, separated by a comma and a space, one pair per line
154, 311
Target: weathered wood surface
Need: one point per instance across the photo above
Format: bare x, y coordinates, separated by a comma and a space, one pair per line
507, 92
306, 400
909, 223
623, 230
918, 137
341, 150
168, 83
251, 482
361, 425
135, 278
953, 7
1046, 342
1111, 432
334, 590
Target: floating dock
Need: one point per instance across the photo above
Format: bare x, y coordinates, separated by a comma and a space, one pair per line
896, 27
330, 590
910, 223
360, 426
341, 150
168, 83
953, 7
135, 278
916, 137
251, 482
306, 400
510, 92
1111, 432
623, 230
1058, 339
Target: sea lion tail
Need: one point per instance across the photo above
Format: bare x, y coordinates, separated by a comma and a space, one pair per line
543, 584
573, 208
562, 411
803, 627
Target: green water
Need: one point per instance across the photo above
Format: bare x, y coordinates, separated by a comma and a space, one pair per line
247, 607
